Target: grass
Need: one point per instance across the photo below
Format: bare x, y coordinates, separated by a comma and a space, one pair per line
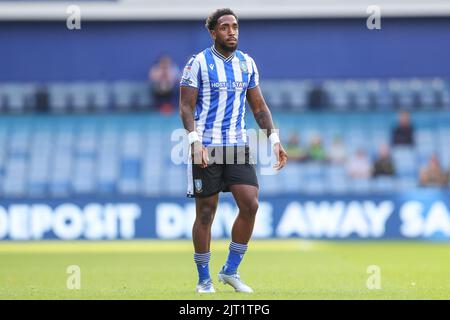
276, 269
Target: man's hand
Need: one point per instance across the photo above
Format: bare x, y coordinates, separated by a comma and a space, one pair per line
281, 156
199, 154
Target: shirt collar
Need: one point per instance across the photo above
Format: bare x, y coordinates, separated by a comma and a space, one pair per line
221, 56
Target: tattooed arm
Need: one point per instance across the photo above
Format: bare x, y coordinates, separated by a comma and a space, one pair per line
263, 117
188, 99
260, 110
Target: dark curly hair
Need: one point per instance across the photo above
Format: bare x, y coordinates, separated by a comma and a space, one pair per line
211, 21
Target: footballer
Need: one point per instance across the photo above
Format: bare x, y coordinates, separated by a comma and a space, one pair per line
214, 88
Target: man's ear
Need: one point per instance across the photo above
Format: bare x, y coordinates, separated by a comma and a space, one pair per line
213, 34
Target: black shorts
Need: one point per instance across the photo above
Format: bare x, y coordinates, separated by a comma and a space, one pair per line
228, 166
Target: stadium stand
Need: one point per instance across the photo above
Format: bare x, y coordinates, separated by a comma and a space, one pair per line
293, 95
130, 154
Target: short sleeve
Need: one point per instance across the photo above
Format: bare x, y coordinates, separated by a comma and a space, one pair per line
254, 77
191, 74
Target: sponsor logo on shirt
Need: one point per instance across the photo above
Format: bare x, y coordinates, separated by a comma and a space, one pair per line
229, 85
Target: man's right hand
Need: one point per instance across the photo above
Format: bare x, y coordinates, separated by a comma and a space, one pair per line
199, 154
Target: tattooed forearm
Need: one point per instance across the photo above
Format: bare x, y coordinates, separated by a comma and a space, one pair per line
188, 118
264, 120
260, 110
188, 98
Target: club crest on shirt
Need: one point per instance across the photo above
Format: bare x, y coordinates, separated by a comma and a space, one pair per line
186, 79
243, 65
198, 185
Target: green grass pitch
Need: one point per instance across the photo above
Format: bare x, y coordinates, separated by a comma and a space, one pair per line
276, 269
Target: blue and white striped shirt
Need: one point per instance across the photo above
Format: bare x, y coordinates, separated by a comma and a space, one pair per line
222, 86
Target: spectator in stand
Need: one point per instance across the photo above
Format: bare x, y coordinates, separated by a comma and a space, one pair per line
317, 99
164, 76
42, 99
383, 166
316, 150
337, 153
359, 166
295, 150
403, 134
433, 175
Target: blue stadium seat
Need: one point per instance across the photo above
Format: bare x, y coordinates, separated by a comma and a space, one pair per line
352, 90
175, 180
314, 186
40, 162
291, 178
132, 144
130, 169
101, 96
298, 94
407, 183
427, 95
441, 91
384, 184
336, 172
60, 175
268, 184
384, 97
337, 95
143, 97
128, 186
314, 170
337, 186
131, 95
14, 182
405, 160
59, 97
123, 95
272, 94
3, 149
425, 140
406, 94
360, 185
80, 96
83, 175
108, 170
14, 96
363, 97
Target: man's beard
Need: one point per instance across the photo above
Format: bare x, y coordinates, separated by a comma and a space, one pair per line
224, 47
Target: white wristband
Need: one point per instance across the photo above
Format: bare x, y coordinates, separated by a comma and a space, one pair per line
193, 137
274, 138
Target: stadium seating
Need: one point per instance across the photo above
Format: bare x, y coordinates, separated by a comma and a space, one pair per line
294, 95
130, 154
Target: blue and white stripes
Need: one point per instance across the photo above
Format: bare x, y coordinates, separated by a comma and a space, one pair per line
222, 84
238, 248
235, 256
202, 258
202, 262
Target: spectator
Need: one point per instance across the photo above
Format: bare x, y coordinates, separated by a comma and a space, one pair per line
403, 134
294, 149
337, 151
317, 99
383, 166
359, 166
316, 150
41, 99
164, 77
433, 175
